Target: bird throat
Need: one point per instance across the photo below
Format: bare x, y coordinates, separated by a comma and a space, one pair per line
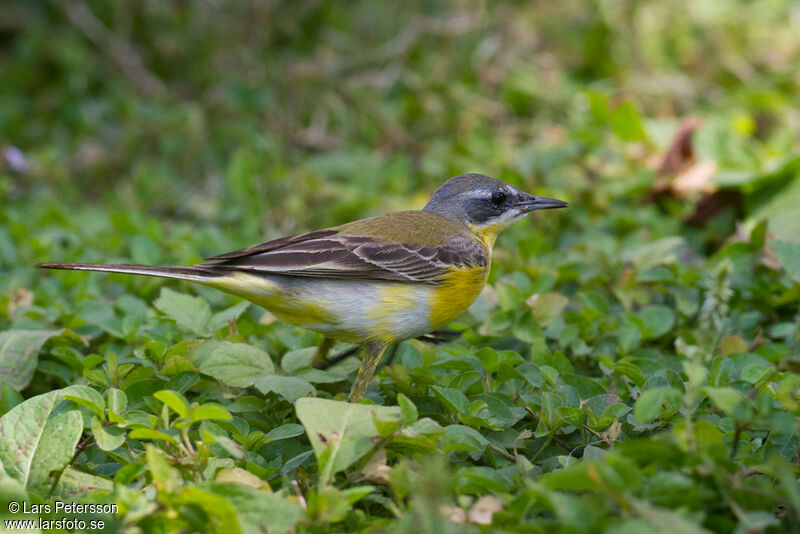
487, 234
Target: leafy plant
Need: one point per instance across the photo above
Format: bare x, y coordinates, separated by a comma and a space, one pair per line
633, 364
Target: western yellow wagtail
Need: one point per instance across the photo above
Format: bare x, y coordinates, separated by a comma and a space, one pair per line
373, 282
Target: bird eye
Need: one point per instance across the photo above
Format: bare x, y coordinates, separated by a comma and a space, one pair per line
498, 197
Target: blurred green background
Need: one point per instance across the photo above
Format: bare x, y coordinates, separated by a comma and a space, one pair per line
275, 117
163, 131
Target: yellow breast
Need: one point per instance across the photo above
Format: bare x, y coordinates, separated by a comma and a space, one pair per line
456, 293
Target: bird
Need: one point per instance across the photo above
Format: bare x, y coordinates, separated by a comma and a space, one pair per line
373, 282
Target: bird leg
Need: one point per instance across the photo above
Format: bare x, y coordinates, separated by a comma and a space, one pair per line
320, 359
370, 356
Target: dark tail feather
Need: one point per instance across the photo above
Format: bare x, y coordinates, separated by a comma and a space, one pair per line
196, 274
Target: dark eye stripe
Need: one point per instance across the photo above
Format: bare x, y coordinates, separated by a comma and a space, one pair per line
481, 210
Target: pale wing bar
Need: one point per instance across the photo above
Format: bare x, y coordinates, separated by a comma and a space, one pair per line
349, 257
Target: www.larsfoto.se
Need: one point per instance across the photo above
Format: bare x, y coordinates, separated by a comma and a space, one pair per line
41, 524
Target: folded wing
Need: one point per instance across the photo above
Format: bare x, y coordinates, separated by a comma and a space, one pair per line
330, 254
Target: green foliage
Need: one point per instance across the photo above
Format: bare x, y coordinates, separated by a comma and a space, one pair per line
36, 442
789, 256
19, 350
632, 366
343, 433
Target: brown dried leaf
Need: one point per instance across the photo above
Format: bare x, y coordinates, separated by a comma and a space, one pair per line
770, 257
453, 513
696, 178
22, 298
484, 508
376, 469
267, 318
681, 151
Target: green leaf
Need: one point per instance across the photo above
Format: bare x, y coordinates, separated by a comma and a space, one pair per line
35, 441
117, 404
532, 374
732, 344
88, 397
108, 438
340, 432
210, 412
547, 306
423, 434
237, 475
778, 200
76, 484
19, 354
295, 462
288, 387
408, 409
648, 405
9, 397
100, 314
463, 438
174, 400
574, 477
657, 320
787, 480
629, 337
289, 430
666, 520
144, 250
789, 257
663, 251
626, 123
220, 512
257, 510
228, 445
570, 416
455, 401
753, 373
233, 364
725, 398
226, 316
166, 478
10, 490
192, 313
695, 372
356, 493
150, 434
598, 105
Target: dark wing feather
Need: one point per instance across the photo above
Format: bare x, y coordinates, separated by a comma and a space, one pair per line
274, 244
327, 254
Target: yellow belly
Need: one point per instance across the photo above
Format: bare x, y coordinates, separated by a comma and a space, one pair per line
360, 311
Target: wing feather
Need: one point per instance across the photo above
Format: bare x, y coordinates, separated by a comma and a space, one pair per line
329, 254
275, 244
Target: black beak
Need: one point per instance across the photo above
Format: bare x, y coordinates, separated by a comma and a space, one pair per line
531, 203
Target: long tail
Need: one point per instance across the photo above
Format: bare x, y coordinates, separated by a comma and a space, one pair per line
196, 273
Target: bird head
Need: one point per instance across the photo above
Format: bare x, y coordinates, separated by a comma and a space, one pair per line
484, 204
